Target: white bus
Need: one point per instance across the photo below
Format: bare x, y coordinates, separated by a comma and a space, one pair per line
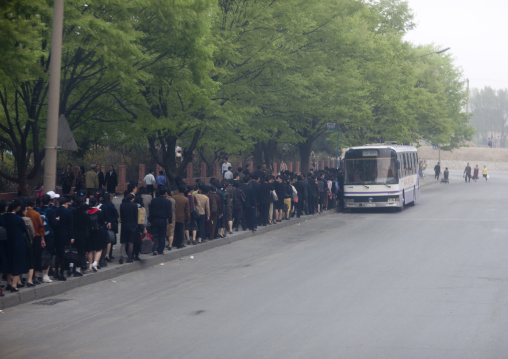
381, 176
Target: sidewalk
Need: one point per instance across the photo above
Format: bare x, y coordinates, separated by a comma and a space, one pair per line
114, 269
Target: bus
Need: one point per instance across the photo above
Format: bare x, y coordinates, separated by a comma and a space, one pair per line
381, 175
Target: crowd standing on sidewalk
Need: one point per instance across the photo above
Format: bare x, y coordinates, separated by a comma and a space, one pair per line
53, 237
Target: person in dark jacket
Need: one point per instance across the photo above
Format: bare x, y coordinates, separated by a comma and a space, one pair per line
255, 185
238, 200
299, 188
160, 214
80, 185
129, 218
96, 234
81, 224
111, 219
111, 180
313, 193
100, 174
264, 200
47, 212
16, 246
67, 179
249, 205
64, 235
278, 205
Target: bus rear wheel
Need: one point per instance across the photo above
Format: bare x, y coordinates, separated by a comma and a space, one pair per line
414, 197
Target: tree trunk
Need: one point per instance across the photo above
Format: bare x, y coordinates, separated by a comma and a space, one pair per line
270, 151
166, 157
305, 148
257, 153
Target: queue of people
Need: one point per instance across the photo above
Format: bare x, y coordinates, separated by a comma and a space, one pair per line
54, 237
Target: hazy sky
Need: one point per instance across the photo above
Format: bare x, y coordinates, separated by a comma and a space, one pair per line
475, 31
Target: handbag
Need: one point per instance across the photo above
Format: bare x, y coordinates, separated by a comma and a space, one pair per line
194, 211
111, 237
71, 255
146, 244
195, 214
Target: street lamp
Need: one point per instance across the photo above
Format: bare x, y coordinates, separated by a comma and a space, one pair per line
432, 53
436, 52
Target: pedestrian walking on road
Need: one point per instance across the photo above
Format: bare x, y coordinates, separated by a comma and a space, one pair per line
467, 173
475, 173
437, 171
485, 173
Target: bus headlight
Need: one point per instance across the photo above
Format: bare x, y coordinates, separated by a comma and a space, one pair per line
394, 199
349, 200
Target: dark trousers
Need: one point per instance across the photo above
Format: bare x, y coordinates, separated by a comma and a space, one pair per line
159, 235
245, 221
213, 231
312, 204
150, 189
66, 189
179, 235
264, 211
250, 216
202, 226
299, 207
305, 205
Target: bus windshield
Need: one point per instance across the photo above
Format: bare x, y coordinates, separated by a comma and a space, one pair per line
371, 166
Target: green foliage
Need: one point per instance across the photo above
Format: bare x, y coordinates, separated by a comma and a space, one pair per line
441, 96
490, 113
224, 77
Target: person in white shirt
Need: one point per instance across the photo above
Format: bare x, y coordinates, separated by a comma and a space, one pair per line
228, 175
283, 167
225, 166
149, 181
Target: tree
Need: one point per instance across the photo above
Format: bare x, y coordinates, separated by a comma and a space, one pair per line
175, 104
99, 44
490, 114
440, 98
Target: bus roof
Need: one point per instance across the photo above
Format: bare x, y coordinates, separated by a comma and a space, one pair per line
396, 148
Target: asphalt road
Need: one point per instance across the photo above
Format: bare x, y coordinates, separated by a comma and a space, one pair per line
429, 282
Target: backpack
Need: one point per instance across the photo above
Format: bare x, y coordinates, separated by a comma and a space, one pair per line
45, 220
93, 223
141, 215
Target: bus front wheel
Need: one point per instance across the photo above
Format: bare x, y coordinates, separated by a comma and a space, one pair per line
401, 208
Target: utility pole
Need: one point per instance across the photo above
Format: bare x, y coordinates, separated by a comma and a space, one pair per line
50, 155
